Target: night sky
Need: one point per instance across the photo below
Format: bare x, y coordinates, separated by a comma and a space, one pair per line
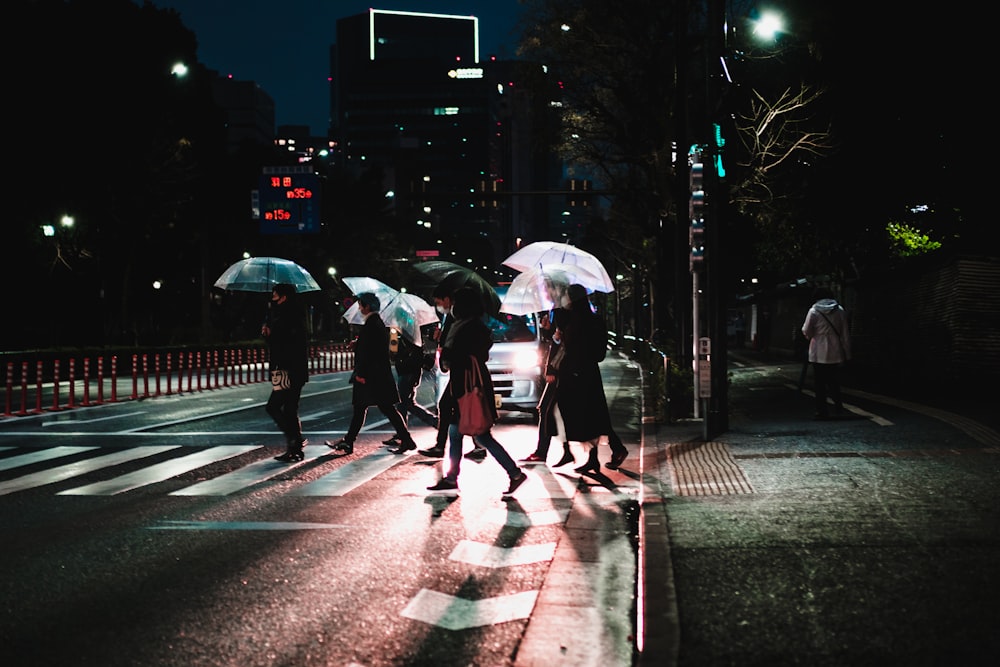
284, 46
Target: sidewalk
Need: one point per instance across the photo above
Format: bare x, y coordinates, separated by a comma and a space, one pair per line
711, 471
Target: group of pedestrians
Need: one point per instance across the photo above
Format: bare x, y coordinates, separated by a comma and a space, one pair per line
572, 405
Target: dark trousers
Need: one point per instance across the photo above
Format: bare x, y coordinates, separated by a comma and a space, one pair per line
390, 412
283, 407
827, 386
546, 419
446, 414
407, 384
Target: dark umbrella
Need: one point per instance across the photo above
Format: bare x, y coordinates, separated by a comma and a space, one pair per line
446, 277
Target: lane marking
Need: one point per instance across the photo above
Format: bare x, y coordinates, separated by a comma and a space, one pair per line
40, 455
487, 555
348, 477
241, 478
243, 525
60, 473
91, 421
881, 421
159, 472
454, 613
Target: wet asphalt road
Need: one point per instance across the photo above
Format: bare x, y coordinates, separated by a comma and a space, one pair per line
871, 540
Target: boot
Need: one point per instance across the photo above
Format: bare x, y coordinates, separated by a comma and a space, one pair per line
567, 456
294, 452
592, 464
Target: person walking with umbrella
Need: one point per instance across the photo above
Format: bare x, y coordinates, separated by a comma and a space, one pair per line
549, 422
446, 403
469, 342
372, 379
581, 398
288, 360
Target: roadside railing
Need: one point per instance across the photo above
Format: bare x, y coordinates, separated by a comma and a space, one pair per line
44, 385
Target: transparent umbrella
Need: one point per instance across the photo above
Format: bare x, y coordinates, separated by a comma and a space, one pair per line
261, 274
362, 284
538, 288
544, 253
406, 312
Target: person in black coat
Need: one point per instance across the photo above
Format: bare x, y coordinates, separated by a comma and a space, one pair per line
372, 380
549, 422
581, 399
288, 360
469, 342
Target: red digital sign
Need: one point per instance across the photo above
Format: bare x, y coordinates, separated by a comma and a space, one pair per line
287, 203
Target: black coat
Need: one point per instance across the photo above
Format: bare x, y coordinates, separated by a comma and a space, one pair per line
409, 358
470, 343
371, 362
581, 398
288, 342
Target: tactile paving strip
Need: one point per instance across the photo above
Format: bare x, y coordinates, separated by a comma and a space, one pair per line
705, 469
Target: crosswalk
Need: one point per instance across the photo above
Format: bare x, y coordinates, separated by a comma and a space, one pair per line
341, 480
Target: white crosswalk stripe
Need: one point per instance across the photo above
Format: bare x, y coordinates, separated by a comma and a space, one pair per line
158, 472
69, 470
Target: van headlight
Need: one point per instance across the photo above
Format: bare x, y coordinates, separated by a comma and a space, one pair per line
526, 360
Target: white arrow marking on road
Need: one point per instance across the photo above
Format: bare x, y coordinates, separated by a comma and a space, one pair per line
159, 472
486, 555
243, 525
454, 613
43, 477
523, 520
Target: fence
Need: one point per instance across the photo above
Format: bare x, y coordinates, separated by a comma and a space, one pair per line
36, 386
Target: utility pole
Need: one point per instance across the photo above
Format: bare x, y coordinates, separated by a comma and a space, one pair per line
717, 415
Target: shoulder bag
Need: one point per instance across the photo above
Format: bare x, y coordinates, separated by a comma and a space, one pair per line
474, 414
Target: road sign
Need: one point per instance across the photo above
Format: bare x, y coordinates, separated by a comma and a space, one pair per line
288, 201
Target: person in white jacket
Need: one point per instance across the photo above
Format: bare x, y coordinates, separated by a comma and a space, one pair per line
829, 337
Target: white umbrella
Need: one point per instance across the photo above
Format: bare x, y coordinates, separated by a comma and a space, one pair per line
543, 253
409, 312
537, 288
403, 311
363, 284
261, 274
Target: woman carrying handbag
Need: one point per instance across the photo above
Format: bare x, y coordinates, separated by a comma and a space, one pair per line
464, 353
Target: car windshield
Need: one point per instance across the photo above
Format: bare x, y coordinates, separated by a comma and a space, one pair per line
507, 328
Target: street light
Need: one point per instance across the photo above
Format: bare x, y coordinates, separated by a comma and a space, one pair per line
768, 26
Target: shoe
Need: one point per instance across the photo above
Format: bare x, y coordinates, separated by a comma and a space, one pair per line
435, 451
477, 454
444, 484
532, 458
567, 457
341, 446
616, 459
290, 457
515, 481
592, 464
393, 441
403, 447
